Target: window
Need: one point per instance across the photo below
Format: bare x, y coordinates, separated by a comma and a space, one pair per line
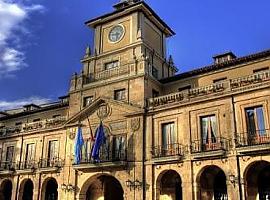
181, 89
36, 120
56, 116
111, 65
209, 129
155, 93
220, 80
118, 147
168, 135
260, 70
87, 101
255, 120
53, 150
30, 153
155, 72
120, 94
10, 153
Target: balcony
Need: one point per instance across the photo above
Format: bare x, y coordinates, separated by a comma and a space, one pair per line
209, 148
252, 142
7, 167
106, 74
49, 165
250, 80
226, 87
27, 166
44, 124
167, 153
10, 130
33, 126
108, 159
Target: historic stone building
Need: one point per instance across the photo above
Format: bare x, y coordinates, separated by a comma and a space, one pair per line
198, 135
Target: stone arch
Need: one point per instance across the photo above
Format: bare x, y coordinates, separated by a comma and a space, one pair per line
169, 186
100, 187
211, 183
257, 180
6, 189
49, 189
26, 190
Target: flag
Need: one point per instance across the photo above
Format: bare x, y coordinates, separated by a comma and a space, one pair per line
91, 132
78, 146
99, 140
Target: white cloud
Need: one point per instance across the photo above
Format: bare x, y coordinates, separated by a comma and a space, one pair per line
12, 18
6, 105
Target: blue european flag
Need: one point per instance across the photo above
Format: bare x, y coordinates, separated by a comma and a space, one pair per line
99, 140
78, 146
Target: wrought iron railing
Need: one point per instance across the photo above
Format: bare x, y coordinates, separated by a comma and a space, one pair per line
167, 150
50, 162
27, 165
252, 138
7, 166
105, 156
213, 144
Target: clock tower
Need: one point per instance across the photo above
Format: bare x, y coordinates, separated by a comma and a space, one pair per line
129, 53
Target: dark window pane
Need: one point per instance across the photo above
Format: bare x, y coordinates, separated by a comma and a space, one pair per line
260, 118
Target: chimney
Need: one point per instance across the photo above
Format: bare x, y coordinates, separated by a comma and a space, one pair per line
124, 3
225, 57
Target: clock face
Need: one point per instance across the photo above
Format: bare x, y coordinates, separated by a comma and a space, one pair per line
116, 33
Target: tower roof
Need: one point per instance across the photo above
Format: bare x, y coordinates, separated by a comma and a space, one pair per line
127, 7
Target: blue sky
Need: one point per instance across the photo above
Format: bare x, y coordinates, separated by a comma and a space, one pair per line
42, 41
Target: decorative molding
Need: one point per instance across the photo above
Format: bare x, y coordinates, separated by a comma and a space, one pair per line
135, 124
104, 111
71, 134
121, 125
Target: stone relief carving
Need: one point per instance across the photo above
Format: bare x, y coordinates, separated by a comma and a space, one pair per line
104, 111
135, 124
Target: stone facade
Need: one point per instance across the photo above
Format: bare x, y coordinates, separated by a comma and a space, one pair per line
198, 135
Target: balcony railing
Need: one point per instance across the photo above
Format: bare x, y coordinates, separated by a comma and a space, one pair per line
105, 156
251, 79
48, 123
109, 73
7, 166
10, 130
160, 151
212, 144
50, 163
253, 138
27, 165
217, 88
44, 124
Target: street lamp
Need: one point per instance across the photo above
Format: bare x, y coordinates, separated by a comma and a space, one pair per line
134, 184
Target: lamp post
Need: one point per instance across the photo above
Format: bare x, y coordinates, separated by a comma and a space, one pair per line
68, 188
134, 184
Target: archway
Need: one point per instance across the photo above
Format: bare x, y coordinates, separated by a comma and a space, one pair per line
28, 188
49, 190
101, 188
212, 184
6, 190
170, 186
257, 178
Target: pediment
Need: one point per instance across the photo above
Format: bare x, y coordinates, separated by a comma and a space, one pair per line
104, 109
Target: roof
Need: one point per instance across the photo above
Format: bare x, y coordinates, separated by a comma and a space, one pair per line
40, 109
217, 66
140, 5
224, 54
